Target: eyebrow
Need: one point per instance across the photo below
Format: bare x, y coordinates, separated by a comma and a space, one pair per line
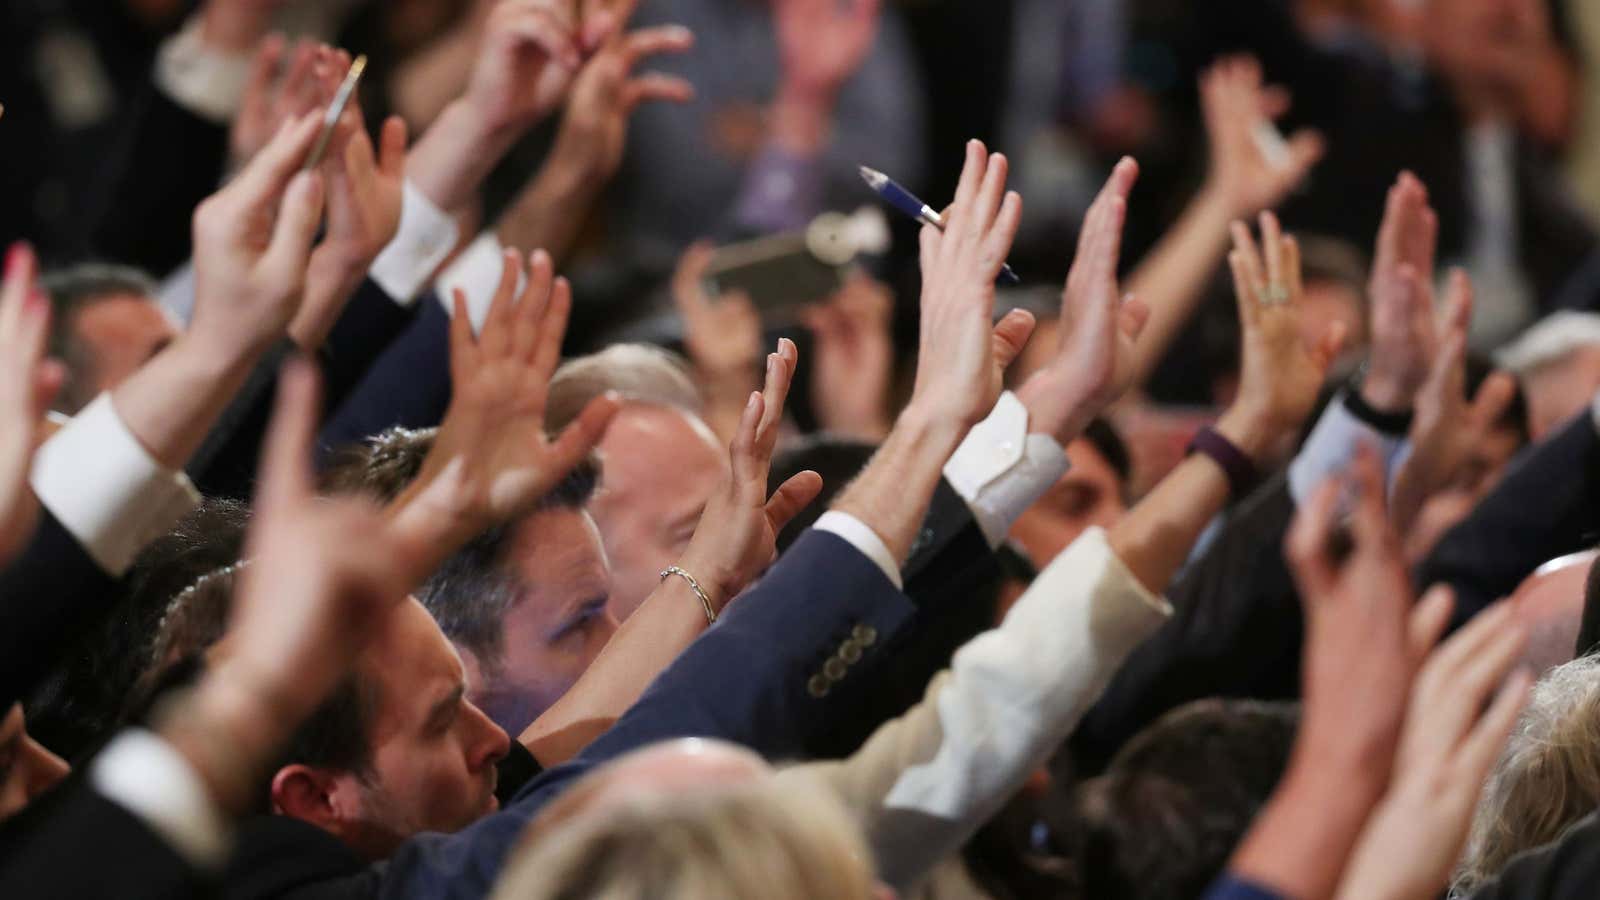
446, 705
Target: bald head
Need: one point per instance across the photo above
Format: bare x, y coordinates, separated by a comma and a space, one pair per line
1550, 602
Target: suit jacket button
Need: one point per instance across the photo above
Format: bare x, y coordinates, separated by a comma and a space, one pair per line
818, 686
850, 651
865, 635
835, 669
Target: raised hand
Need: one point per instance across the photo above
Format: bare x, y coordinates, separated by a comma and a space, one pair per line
737, 537
1400, 290
252, 242
28, 383
492, 460
1446, 428
364, 194
1463, 708
530, 55
594, 130
853, 360
1236, 106
1280, 376
723, 338
1095, 362
279, 92
961, 360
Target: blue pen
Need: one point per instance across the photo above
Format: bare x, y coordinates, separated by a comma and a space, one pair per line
907, 202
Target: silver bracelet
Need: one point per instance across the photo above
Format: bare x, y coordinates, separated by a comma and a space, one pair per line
705, 602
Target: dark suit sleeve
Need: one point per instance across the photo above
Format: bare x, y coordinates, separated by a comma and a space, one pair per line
51, 592
1547, 505
746, 680
75, 843
952, 578
165, 163
1568, 869
408, 386
1236, 632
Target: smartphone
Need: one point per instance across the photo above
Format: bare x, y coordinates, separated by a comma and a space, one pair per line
330, 119
780, 273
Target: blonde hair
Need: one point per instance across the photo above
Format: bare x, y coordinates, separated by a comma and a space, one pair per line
1547, 778
750, 841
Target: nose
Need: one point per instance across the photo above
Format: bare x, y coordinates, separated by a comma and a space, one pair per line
489, 743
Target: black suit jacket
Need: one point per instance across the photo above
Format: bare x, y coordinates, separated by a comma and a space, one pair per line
1236, 631
1547, 505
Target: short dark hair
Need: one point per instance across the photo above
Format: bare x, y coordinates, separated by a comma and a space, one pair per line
71, 290
336, 735
1162, 821
471, 591
81, 701
1107, 442
837, 460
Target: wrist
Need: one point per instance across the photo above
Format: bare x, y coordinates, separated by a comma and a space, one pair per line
1250, 433
1055, 409
714, 579
922, 425
1384, 395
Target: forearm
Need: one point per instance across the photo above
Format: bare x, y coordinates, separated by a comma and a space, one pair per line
668, 621
1173, 277
892, 494
1155, 538
455, 156
171, 403
1300, 842
551, 209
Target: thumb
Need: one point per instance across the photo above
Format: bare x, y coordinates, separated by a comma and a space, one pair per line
1011, 335
1133, 315
578, 440
298, 218
791, 497
1494, 397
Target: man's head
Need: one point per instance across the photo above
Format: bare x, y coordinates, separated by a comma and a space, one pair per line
1548, 776
1550, 603
1164, 818
106, 325
397, 748
662, 461
1335, 275
27, 769
690, 819
524, 602
1092, 493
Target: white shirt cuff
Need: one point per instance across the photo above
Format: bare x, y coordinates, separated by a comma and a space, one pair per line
1001, 469
424, 240
861, 536
200, 79
144, 775
1331, 448
476, 272
104, 488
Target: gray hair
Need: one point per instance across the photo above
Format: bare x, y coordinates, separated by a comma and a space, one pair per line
639, 372
1547, 778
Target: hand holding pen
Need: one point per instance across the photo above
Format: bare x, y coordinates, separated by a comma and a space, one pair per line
907, 202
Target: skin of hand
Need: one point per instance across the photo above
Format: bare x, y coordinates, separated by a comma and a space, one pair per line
1404, 334
252, 243
1364, 644
278, 91
1463, 707
854, 359
737, 537
1242, 182
321, 574
1446, 427
821, 45
365, 193
961, 360
1280, 376
236, 25
957, 371
28, 384
1094, 364
723, 338
492, 460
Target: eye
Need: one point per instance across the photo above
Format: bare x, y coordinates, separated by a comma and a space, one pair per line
581, 621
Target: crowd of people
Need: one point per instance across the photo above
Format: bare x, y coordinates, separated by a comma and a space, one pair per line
397, 498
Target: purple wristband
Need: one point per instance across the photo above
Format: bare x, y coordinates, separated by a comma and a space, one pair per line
1243, 476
